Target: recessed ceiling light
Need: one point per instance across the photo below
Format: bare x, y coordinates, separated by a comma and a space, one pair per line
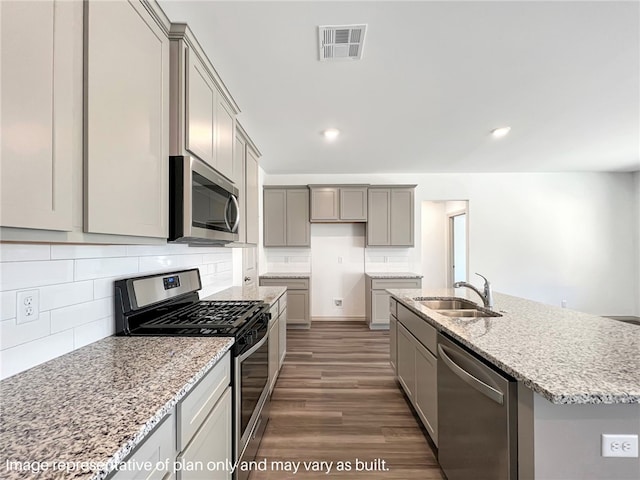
500, 132
331, 134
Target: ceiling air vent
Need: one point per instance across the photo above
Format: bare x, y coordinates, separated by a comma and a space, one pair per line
341, 42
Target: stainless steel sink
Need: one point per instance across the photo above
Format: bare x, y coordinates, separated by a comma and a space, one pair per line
467, 313
448, 304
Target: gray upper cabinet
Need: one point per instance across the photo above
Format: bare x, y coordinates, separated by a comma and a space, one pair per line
246, 157
340, 203
203, 112
41, 45
391, 216
126, 119
286, 217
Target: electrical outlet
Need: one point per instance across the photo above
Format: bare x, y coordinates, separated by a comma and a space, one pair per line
564, 304
337, 302
28, 306
619, 445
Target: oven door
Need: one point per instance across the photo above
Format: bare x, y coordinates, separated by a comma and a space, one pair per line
251, 376
203, 204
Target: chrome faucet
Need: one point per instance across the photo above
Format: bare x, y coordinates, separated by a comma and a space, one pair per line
486, 295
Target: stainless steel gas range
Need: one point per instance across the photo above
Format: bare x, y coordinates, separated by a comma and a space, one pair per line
168, 304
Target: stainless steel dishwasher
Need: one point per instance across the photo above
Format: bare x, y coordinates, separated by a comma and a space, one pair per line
477, 417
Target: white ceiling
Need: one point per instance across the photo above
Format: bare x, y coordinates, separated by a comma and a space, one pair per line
434, 79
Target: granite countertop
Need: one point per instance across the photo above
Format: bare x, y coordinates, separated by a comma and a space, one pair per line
286, 275
265, 294
383, 275
568, 357
97, 403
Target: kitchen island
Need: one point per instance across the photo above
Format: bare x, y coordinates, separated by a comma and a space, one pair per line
578, 377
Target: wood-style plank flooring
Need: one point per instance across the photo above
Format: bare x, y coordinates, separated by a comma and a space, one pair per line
336, 400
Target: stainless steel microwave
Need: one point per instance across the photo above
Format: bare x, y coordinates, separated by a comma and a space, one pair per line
203, 205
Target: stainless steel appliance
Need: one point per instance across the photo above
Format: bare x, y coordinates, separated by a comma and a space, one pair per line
477, 417
168, 304
203, 205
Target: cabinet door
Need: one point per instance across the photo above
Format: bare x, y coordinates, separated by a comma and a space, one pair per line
298, 307
212, 443
239, 172
324, 204
201, 103
127, 121
378, 223
224, 137
251, 197
275, 227
379, 307
158, 450
297, 223
402, 210
39, 118
426, 393
274, 335
353, 204
249, 267
393, 345
282, 339
406, 361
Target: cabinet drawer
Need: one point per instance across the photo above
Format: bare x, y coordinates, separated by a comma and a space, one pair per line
282, 303
195, 407
290, 283
385, 283
393, 307
419, 328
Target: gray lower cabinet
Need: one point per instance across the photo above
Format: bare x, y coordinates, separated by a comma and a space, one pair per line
390, 221
286, 217
416, 363
393, 343
343, 203
274, 340
377, 298
298, 302
282, 330
198, 429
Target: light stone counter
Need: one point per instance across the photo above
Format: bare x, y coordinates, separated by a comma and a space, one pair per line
388, 275
97, 403
264, 294
568, 357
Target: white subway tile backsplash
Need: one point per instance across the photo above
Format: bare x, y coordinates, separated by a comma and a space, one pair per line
168, 262
87, 251
12, 333
19, 275
75, 283
65, 294
22, 357
92, 268
7, 305
94, 331
18, 252
69, 317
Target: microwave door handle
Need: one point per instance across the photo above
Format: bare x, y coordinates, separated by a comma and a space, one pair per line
226, 214
237, 220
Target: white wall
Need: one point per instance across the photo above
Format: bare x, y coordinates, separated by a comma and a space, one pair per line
636, 177
546, 237
434, 244
75, 285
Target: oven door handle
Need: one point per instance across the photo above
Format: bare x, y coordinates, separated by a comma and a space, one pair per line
245, 355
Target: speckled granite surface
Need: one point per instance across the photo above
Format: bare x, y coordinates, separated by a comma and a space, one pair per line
286, 275
568, 357
97, 403
266, 294
383, 275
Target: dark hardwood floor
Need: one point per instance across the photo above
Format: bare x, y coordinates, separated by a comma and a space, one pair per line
336, 400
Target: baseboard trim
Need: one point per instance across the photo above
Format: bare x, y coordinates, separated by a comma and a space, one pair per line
338, 319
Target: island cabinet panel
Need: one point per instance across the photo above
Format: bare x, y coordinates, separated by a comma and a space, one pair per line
340, 203
393, 343
274, 337
377, 299
298, 305
417, 367
286, 217
391, 216
126, 120
282, 330
40, 121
